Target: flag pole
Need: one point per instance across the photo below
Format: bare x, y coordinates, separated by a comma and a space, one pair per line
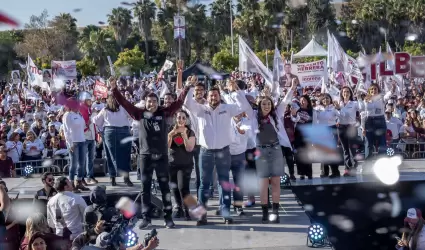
231, 26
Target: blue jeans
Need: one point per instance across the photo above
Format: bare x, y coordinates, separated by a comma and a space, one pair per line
118, 154
220, 158
237, 166
376, 130
91, 146
78, 160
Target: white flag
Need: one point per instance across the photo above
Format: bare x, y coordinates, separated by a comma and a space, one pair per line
35, 77
111, 66
249, 62
277, 71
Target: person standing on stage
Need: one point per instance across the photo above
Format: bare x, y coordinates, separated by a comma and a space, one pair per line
213, 119
153, 148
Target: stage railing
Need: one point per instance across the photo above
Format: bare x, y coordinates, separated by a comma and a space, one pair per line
56, 166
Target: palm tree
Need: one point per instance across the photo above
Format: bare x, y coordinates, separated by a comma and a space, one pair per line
144, 10
247, 22
220, 22
85, 34
97, 47
120, 21
196, 27
65, 35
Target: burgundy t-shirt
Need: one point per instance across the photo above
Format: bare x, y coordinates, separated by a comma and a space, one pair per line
5, 167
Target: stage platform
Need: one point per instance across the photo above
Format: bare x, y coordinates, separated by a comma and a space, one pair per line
410, 170
248, 232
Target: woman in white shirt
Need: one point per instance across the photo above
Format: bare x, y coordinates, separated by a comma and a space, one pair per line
271, 135
14, 147
326, 114
347, 130
117, 139
374, 125
32, 147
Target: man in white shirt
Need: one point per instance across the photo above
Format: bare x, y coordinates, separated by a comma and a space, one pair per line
65, 210
393, 124
213, 117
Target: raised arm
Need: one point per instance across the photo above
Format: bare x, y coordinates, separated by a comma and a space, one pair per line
190, 104
175, 106
135, 112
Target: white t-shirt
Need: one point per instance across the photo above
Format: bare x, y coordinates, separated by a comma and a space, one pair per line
394, 125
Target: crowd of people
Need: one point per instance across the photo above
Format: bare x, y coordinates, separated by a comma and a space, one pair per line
239, 126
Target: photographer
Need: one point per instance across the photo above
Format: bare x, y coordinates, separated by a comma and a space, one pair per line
103, 241
95, 216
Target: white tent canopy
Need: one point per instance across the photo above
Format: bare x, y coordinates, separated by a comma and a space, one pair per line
311, 49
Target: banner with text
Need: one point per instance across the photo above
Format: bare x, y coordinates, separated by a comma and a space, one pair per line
100, 89
65, 70
311, 73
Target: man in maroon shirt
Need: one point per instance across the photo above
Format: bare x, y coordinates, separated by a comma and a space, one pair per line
7, 169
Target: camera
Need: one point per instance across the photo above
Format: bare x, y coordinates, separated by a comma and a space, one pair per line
120, 229
149, 236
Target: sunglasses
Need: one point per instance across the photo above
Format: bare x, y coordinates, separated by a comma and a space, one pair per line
50, 179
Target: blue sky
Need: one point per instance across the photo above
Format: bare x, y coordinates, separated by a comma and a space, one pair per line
92, 11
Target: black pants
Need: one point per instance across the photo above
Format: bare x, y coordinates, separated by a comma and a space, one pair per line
303, 168
347, 136
333, 167
250, 159
289, 156
196, 164
180, 182
250, 163
148, 164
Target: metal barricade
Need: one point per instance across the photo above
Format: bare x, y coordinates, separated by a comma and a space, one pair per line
55, 166
409, 150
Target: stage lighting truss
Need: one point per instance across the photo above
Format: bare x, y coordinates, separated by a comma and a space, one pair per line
131, 239
317, 236
28, 170
285, 182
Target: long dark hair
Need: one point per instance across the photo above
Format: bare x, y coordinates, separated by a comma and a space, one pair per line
272, 113
351, 93
187, 119
309, 105
112, 104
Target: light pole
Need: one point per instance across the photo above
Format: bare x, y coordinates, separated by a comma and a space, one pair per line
231, 26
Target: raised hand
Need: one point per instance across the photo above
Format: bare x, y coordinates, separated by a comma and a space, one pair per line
112, 82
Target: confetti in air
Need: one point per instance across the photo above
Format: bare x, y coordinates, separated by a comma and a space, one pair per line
386, 169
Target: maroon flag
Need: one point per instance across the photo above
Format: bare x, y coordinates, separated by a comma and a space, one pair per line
7, 20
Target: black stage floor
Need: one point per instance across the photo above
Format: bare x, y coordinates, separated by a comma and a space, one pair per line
361, 216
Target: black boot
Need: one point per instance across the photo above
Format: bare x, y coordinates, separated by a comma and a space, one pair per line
128, 182
275, 218
113, 182
79, 185
265, 218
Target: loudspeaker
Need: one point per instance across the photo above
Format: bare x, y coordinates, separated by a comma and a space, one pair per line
99, 167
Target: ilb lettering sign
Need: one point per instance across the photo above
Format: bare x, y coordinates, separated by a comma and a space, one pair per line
404, 63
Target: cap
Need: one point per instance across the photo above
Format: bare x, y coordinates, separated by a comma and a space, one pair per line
388, 110
410, 110
390, 101
51, 124
413, 214
51, 114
